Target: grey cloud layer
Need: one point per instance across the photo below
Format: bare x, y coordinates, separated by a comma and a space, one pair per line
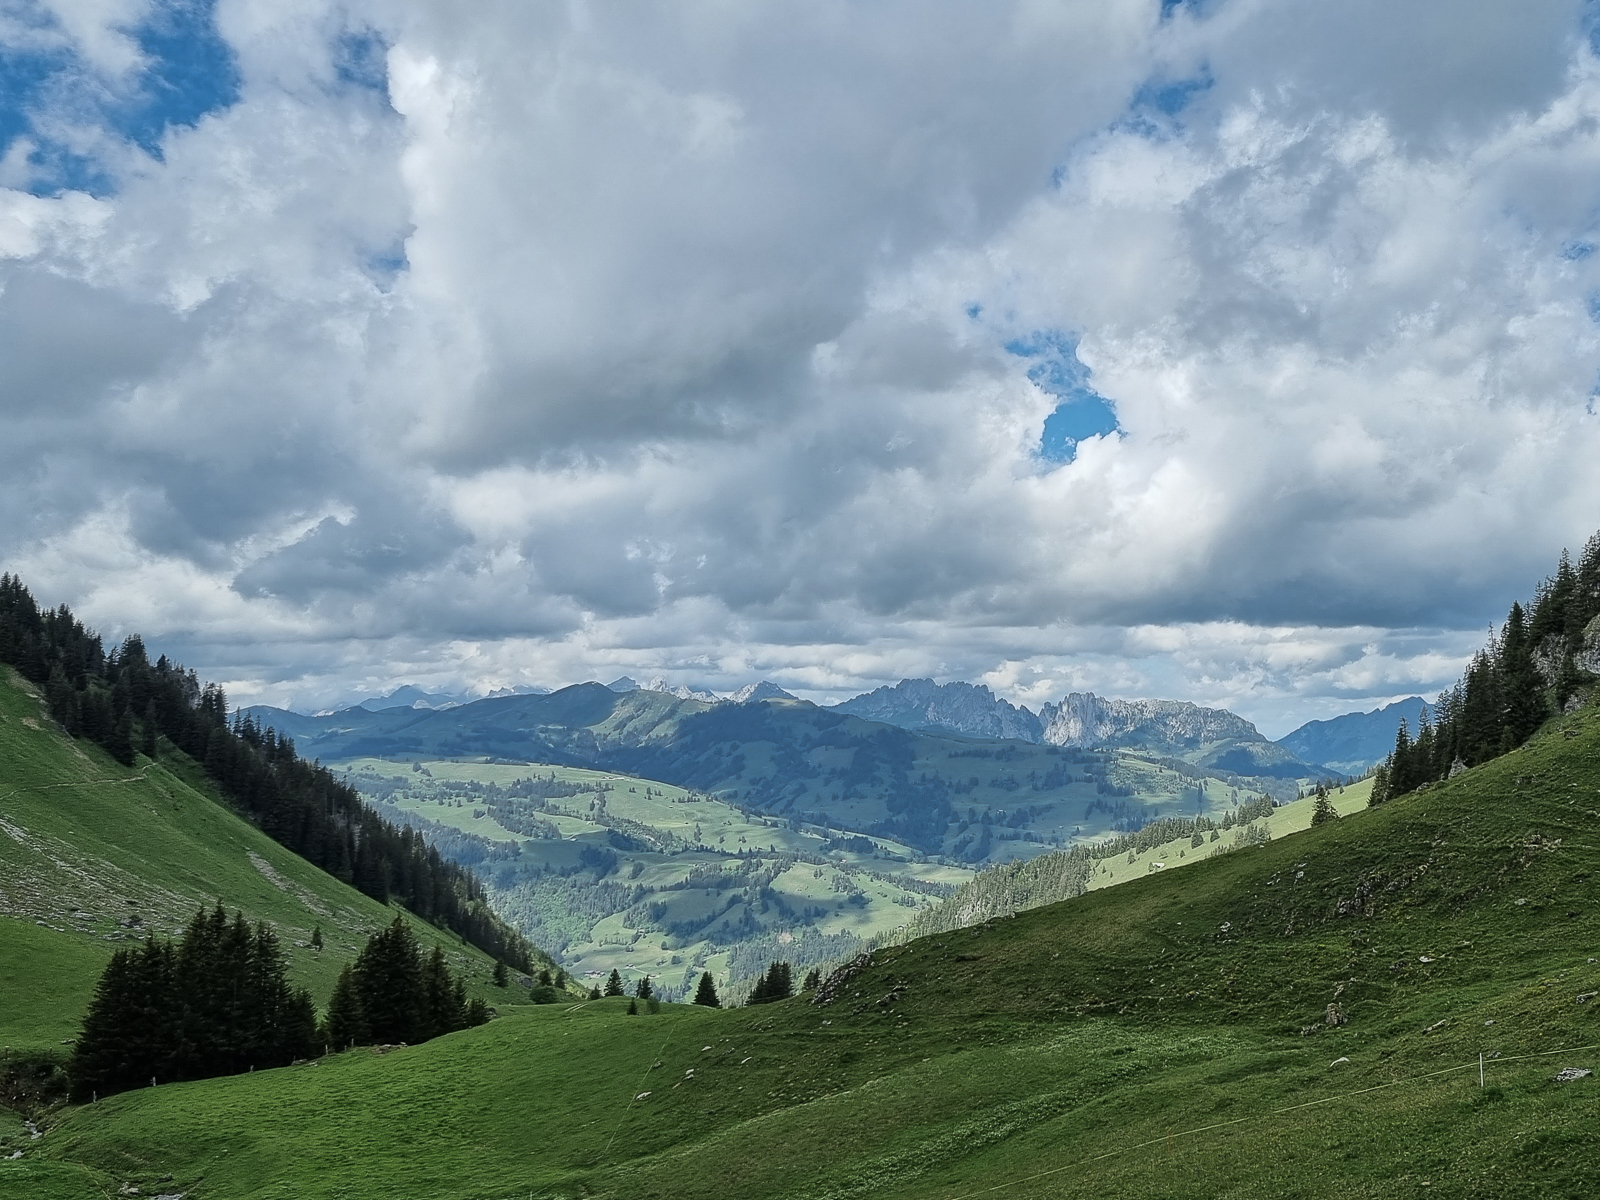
675, 344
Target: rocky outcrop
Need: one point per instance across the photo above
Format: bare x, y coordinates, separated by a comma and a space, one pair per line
1174, 726
963, 708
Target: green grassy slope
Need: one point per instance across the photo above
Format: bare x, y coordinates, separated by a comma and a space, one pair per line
1168, 1037
93, 855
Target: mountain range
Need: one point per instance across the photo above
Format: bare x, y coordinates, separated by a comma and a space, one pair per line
1211, 737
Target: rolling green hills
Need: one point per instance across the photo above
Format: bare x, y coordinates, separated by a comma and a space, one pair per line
94, 854
616, 872
1296, 1018
969, 800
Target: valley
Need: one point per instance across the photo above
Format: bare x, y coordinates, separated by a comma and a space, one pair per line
1302, 1016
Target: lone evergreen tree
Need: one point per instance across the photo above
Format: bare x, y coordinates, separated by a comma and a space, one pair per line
594, 993
614, 983
316, 938
706, 993
1323, 811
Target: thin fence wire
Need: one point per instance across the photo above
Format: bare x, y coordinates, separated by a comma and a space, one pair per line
1167, 1138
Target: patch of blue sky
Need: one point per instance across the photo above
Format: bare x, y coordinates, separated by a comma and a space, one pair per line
189, 71
361, 59
1577, 251
385, 267
1082, 412
1592, 303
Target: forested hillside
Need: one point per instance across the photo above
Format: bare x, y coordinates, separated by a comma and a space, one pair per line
1543, 660
132, 707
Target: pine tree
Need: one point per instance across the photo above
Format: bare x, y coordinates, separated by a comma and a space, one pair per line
814, 976
1523, 689
501, 979
316, 938
633, 1008
120, 744
706, 993
346, 1024
147, 728
594, 993
642, 988
388, 975
614, 984
1323, 811
443, 1010
776, 984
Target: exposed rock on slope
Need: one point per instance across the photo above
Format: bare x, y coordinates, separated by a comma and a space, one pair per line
1173, 726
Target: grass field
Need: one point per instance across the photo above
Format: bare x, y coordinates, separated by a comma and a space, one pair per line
670, 833
1301, 1018
94, 855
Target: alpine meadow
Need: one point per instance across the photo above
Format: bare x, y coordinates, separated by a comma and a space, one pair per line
915, 601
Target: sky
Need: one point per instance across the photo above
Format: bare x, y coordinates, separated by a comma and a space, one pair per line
1236, 351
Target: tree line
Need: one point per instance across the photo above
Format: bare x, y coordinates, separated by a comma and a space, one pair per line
216, 1003
128, 705
219, 1002
1531, 670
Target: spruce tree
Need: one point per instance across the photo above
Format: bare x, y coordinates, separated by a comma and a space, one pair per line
346, 1024
706, 993
388, 975
1523, 689
814, 976
501, 979
147, 729
614, 983
443, 1009
1323, 811
120, 744
642, 988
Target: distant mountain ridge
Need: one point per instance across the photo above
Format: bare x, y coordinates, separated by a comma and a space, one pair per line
1356, 741
964, 708
1084, 719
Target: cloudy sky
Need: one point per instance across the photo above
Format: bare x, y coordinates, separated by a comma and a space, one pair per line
1241, 351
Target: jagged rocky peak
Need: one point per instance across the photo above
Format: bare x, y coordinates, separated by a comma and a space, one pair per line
1084, 719
659, 684
964, 708
765, 690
